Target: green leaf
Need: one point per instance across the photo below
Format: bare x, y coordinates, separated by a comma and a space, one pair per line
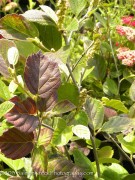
68, 92
5, 126
5, 107
49, 12
83, 162
110, 86
13, 164
38, 16
107, 160
45, 137
81, 131
62, 133
87, 72
63, 107
39, 159
95, 112
26, 48
116, 124
132, 91
105, 152
50, 36
77, 6
99, 63
73, 26
100, 19
129, 177
17, 27
127, 142
81, 118
4, 91
114, 171
116, 104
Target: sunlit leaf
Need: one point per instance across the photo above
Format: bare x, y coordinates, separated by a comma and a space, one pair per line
38, 16
17, 27
62, 134
4, 91
132, 91
45, 137
116, 104
39, 159
73, 26
41, 75
14, 164
127, 142
116, 124
5, 107
105, 152
77, 6
114, 171
21, 115
49, 12
15, 144
81, 131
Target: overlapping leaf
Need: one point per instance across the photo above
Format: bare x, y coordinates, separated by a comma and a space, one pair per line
42, 78
15, 144
95, 111
65, 167
45, 137
21, 115
17, 27
40, 160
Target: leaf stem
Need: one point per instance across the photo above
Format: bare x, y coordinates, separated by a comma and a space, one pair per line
122, 151
95, 153
47, 126
71, 74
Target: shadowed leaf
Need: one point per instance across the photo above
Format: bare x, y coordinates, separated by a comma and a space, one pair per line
17, 27
68, 92
116, 124
44, 104
41, 75
3, 68
4, 64
20, 116
95, 112
15, 144
39, 160
108, 112
65, 167
63, 107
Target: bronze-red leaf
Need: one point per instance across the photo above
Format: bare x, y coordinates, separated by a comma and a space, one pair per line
41, 75
15, 144
21, 115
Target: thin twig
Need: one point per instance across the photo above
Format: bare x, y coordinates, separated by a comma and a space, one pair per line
71, 74
121, 150
95, 154
91, 44
47, 126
